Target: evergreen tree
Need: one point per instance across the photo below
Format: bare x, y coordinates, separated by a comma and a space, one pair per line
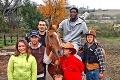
30, 14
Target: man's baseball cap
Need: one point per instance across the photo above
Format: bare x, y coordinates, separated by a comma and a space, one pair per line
34, 33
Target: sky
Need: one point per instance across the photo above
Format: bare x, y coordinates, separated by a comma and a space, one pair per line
91, 4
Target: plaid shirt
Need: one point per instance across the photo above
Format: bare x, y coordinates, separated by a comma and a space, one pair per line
100, 57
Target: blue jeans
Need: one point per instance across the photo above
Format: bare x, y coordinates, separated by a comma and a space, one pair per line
93, 74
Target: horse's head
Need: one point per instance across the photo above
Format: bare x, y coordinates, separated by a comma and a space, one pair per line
54, 44
53, 41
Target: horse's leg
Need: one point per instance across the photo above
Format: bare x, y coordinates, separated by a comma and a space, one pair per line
51, 70
55, 74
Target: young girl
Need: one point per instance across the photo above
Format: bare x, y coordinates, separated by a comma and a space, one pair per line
72, 67
22, 65
94, 59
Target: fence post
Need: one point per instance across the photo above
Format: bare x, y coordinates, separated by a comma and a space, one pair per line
10, 37
4, 40
17, 36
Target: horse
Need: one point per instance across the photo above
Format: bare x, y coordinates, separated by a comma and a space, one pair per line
53, 44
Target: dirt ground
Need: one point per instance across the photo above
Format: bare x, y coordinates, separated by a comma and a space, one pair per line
112, 63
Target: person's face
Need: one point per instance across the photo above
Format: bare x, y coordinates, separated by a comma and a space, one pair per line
90, 38
21, 47
42, 26
66, 51
73, 14
34, 40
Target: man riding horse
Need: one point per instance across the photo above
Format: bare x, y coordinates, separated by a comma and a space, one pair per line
73, 28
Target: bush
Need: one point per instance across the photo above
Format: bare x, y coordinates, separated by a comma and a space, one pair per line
104, 30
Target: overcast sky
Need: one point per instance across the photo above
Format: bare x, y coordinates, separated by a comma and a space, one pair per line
103, 4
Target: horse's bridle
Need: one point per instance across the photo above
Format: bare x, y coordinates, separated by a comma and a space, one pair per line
49, 40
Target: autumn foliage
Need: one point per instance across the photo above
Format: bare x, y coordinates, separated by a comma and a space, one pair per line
54, 9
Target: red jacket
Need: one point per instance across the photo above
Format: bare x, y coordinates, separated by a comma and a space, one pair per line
72, 67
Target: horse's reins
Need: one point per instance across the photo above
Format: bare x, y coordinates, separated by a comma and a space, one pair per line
56, 65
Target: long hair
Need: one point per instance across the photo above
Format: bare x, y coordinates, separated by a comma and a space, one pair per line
28, 52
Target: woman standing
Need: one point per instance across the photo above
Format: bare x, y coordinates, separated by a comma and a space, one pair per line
22, 65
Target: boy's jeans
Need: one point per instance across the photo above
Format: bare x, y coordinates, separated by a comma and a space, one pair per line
93, 75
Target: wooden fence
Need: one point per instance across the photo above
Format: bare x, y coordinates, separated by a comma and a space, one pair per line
10, 39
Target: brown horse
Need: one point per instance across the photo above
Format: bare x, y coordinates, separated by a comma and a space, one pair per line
53, 43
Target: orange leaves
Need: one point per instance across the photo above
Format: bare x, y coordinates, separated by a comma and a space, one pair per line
55, 9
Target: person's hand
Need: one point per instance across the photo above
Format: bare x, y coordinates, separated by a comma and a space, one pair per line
50, 55
57, 62
80, 50
58, 77
100, 75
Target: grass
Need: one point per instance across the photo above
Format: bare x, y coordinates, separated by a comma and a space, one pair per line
111, 40
1, 43
8, 41
109, 12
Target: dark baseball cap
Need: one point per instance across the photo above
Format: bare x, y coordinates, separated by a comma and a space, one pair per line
34, 33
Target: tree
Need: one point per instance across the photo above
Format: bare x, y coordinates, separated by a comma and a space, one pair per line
8, 6
54, 9
9, 14
3, 25
30, 14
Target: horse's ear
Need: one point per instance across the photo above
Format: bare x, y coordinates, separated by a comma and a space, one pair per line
50, 26
54, 27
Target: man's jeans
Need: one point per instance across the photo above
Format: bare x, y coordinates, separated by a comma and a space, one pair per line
93, 74
44, 70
